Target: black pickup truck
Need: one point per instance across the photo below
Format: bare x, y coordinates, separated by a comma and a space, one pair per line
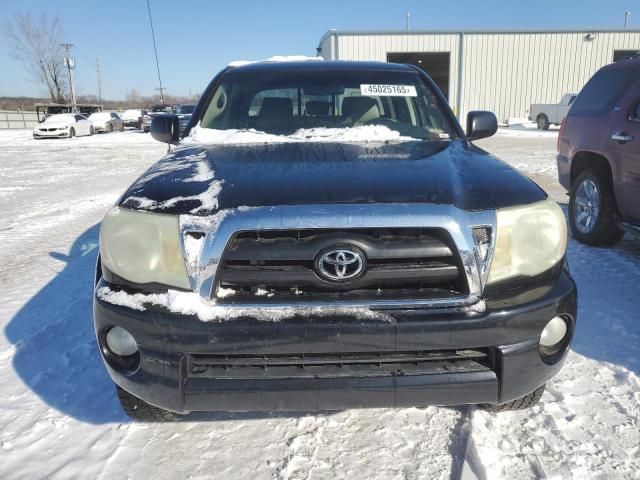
328, 237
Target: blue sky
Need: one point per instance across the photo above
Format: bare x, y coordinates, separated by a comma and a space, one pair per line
196, 38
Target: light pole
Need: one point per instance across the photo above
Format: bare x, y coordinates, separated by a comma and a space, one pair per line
99, 82
70, 64
155, 50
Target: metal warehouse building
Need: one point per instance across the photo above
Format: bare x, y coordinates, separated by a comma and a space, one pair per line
501, 71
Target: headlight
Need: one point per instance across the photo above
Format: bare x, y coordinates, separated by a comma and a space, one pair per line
529, 240
143, 247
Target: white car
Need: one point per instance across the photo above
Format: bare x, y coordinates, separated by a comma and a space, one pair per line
133, 117
64, 125
106, 122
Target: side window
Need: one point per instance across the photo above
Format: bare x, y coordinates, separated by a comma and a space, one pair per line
573, 97
602, 91
635, 114
214, 116
79, 117
114, 116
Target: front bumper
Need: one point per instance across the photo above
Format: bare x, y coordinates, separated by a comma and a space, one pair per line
54, 134
508, 330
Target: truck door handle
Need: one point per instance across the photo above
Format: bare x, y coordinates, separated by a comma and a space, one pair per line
622, 137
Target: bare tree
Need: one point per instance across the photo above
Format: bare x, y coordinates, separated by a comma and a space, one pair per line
36, 43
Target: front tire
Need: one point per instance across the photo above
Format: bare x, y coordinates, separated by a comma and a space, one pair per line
91, 131
593, 213
72, 132
543, 122
111, 128
141, 411
518, 404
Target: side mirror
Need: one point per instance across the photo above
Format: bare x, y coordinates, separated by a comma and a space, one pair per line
165, 128
481, 124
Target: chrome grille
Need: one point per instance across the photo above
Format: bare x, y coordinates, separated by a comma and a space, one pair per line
401, 263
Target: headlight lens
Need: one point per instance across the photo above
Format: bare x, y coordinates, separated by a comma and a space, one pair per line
143, 247
529, 240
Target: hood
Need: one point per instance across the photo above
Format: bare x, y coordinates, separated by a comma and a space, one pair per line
57, 122
203, 179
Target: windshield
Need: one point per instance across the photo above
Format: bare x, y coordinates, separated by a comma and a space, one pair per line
162, 108
282, 104
186, 109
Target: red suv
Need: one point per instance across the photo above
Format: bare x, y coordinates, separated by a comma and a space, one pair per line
599, 155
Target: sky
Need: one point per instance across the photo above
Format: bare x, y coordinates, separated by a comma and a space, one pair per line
197, 38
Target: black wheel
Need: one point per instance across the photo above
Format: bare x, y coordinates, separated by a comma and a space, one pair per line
518, 404
111, 128
593, 214
91, 131
141, 411
72, 132
543, 122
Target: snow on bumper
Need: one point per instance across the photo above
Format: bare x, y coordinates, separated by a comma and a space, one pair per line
176, 351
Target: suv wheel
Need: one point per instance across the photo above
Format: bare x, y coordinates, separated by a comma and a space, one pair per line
517, 404
543, 122
141, 411
593, 215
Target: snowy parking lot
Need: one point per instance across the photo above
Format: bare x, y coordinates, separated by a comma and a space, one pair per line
60, 417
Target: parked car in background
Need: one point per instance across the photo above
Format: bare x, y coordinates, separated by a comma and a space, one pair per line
133, 118
362, 256
154, 111
63, 125
106, 122
546, 114
184, 115
599, 155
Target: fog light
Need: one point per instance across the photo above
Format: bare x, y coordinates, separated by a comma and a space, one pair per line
121, 342
554, 332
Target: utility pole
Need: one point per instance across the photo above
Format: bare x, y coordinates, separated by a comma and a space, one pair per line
155, 49
70, 64
161, 90
408, 20
626, 19
99, 81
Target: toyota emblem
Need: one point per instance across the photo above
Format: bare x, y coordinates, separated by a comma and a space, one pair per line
340, 264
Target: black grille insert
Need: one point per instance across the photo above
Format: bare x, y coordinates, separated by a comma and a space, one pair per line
400, 263
338, 364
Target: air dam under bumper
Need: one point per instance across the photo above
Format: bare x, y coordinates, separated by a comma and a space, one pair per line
190, 365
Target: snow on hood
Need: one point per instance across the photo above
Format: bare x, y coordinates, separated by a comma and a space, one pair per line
190, 303
276, 58
363, 133
61, 119
199, 170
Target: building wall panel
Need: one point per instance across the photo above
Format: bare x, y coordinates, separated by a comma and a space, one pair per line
502, 71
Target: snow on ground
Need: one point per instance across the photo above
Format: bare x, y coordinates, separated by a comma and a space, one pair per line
60, 417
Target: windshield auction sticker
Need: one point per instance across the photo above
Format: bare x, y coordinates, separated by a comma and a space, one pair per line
389, 90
